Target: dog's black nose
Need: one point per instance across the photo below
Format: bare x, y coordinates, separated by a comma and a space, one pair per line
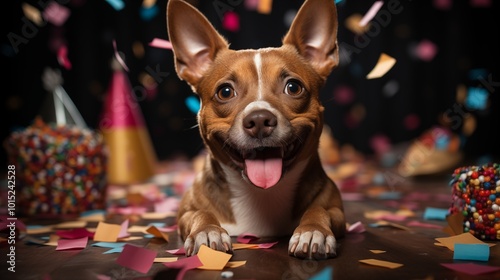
260, 123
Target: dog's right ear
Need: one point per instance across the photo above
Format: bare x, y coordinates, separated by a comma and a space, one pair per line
195, 42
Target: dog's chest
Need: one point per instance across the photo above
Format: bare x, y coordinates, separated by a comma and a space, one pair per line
263, 212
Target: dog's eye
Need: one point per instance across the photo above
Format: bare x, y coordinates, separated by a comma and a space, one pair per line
293, 88
225, 93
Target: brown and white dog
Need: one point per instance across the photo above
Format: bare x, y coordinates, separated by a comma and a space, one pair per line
261, 120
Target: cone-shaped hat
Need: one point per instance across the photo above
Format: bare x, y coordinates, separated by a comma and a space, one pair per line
131, 156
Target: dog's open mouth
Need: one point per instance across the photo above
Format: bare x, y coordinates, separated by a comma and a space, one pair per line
264, 166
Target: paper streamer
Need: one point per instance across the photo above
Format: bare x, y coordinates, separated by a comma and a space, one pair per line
371, 13
119, 58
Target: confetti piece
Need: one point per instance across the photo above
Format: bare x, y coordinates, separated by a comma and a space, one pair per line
124, 229
135, 228
180, 251
464, 238
371, 13
471, 268
157, 233
130, 238
109, 244
119, 58
148, 13
72, 224
113, 250
66, 244
92, 216
160, 43
265, 6
148, 3
193, 104
235, 264
246, 238
231, 21
251, 4
471, 252
388, 224
136, 258
377, 251
116, 4
238, 246
107, 232
266, 245
357, 227
352, 23
423, 225
432, 213
36, 229
397, 216
381, 263
185, 263
167, 205
157, 215
56, 14
32, 14
384, 64
212, 259
426, 50
325, 274
477, 98
164, 260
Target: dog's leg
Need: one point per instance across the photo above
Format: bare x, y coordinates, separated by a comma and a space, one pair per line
202, 228
314, 238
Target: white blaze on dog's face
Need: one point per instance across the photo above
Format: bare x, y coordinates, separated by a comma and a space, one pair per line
260, 110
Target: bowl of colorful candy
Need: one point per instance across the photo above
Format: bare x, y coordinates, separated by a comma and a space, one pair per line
476, 196
60, 170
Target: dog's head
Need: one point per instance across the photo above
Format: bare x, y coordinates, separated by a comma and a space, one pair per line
260, 110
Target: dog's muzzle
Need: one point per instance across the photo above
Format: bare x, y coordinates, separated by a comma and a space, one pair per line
262, 148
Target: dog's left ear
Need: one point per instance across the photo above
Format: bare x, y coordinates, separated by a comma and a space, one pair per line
314, 34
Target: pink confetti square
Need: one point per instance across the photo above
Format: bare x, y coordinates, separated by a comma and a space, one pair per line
56, 14
180, 251
136, 258
231, 21
246, 238
67, 244
471, 268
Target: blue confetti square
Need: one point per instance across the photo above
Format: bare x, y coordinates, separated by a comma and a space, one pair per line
477, 98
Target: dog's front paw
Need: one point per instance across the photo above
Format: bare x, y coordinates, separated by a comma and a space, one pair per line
212, 236
312, 243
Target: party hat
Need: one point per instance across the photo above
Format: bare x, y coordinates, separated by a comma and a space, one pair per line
131, 156
58, 107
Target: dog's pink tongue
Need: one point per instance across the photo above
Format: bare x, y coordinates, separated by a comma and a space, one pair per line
264, 173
